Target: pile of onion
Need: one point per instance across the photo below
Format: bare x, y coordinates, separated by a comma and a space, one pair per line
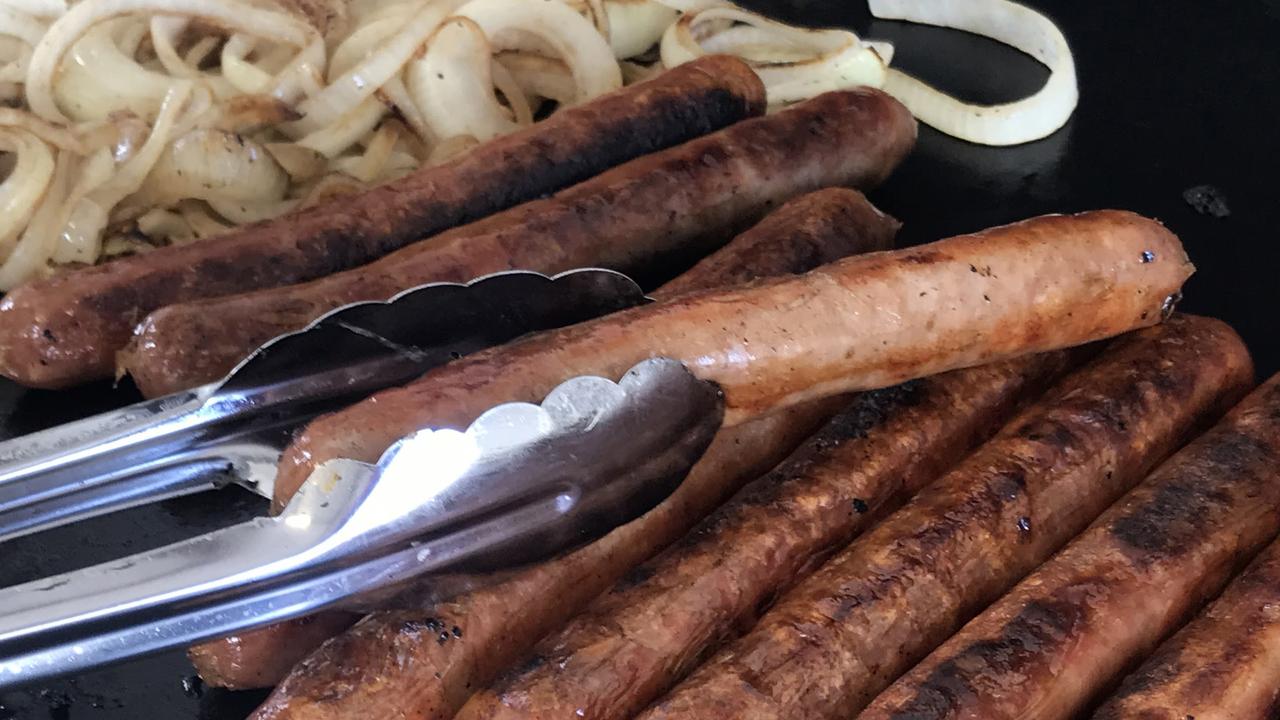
130, 124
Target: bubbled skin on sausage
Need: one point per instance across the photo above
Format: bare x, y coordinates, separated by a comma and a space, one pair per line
859, 323
691, 197
637, 640
806, 232
1047, 648
894, 594
67, 329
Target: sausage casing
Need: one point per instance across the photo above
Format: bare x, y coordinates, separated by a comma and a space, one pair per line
859, 323
1069, 630
67, 329
870, 613
810, 230
692, 197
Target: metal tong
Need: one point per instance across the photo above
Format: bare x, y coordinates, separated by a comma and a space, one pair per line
522, 483
233, 431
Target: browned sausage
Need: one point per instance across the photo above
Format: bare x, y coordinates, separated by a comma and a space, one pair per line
1066, 632
860, 323
685, 198
806, 232
411, 665
67, 329
869, 614
634, 642
1225, 665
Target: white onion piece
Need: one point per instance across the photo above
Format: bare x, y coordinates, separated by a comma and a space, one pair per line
87, 214
165, 31
360, 82
301, 163
15, 23
55, 135
539, 76
572, 37
30, 256
794, 63
245, 211
515, 96
450, 148
100, 79
202, 223
347, 131
233, 15
692, 6
453, 86
27, 182
636, 25
1012, 123
213, 164
364, 39
38, 8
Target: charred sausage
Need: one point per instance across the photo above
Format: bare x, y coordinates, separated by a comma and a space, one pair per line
67, 329
806, 232
690, 197
635, 641
859, 323
869, 614
1048, 647
1225, 665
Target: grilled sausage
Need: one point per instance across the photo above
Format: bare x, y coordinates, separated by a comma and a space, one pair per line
415, 665
686, 198
654, 626
811, 230
859, 323
1225, 665
893, 595
67, 329
1067, 631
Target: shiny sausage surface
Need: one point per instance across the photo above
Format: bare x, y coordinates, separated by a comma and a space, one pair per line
859, 323
67, 329
831, 644
1069, 630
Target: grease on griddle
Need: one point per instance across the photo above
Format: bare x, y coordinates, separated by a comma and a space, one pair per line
1207, 200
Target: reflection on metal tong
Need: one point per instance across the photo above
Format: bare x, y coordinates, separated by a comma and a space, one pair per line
522, 483
235, 430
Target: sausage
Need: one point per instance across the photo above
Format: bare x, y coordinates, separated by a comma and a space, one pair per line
1069, 630
802, 234
637, 640
859, 323
894, 594
686, 198
1225, 665
411, 664
66, 329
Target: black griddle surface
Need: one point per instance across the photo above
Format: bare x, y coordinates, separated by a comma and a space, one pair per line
1174, 96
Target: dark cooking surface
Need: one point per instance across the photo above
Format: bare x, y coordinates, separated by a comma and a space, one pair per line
1173, 96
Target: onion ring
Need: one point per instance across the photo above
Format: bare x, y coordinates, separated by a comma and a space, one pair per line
1013, 123
27, 182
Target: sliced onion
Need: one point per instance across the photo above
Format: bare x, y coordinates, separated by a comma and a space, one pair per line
16, 23
636, 25
213, 165
55, 135
30, 257
1012, 123
539, 76
572, 37
794, 63
450, 148
99, 79
360, 82
453, 84
347, 131
38, 8
88, 213
233, 15
27, 182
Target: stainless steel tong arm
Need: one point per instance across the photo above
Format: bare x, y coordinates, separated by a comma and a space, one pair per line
231, 430
522, 483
